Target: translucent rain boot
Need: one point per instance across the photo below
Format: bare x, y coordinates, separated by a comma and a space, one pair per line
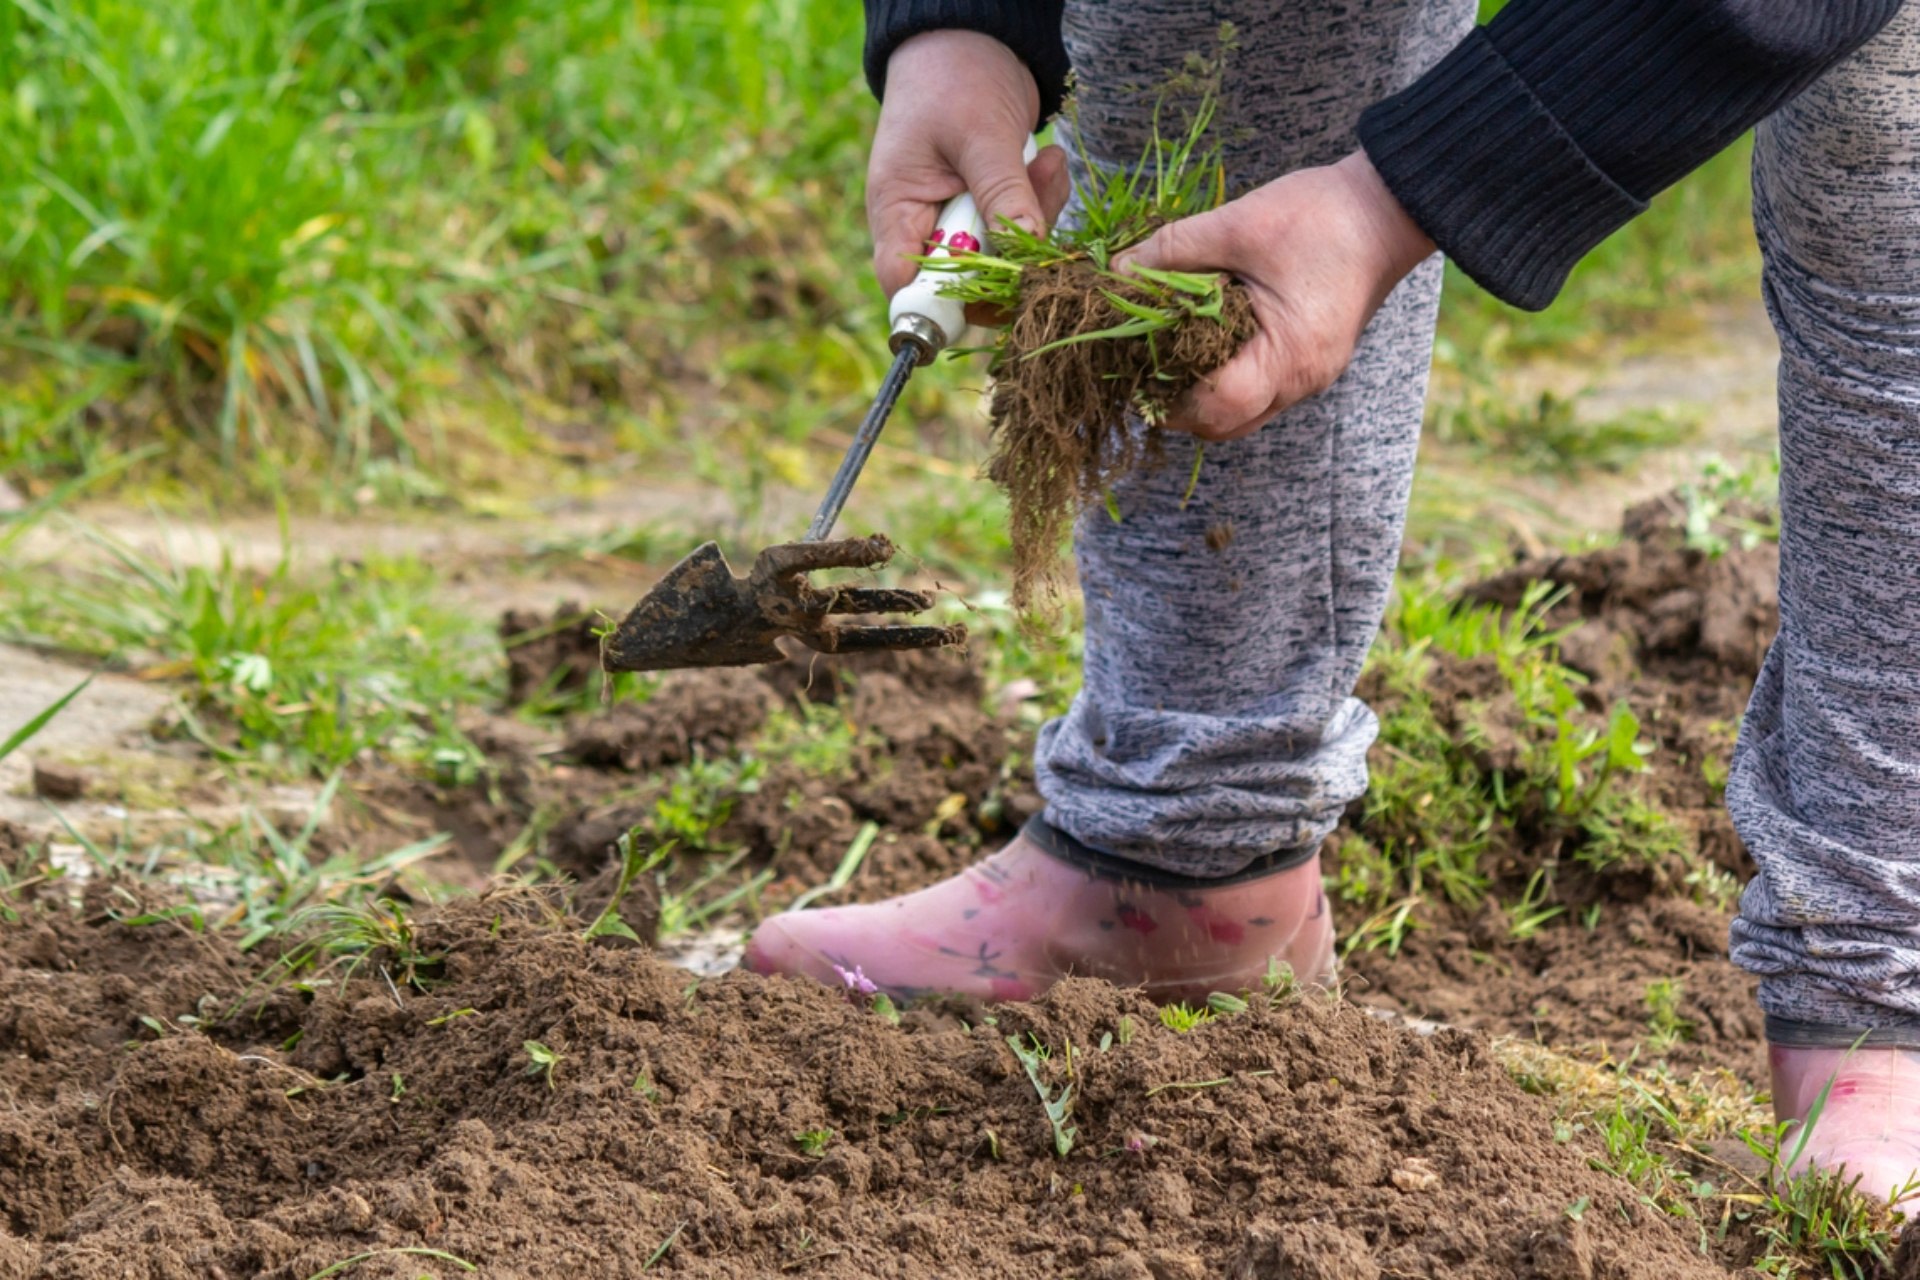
1870, 1125
1011, 926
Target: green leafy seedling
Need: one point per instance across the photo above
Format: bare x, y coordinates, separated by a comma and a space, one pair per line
541, 1059
1059, 1107
1181, 1018
812, 1142
634, 863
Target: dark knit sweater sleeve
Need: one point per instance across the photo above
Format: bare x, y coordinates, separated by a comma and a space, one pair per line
1031, 28
1554, 124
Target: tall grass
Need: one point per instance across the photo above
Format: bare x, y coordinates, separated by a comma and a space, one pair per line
403, 246
260, 225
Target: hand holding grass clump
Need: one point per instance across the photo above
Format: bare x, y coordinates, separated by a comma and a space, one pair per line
1091, 344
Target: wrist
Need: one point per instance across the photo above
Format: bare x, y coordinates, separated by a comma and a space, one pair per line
955, 64
1402, 242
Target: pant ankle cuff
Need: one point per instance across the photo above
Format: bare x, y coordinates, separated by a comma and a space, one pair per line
1788, 1033
1107, 866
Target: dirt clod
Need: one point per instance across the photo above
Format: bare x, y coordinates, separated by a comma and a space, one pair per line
550, 653
53, 781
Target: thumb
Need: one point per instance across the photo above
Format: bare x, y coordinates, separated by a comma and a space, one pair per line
1204, 242
997, 176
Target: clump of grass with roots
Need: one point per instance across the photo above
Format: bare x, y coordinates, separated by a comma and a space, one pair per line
1093, 358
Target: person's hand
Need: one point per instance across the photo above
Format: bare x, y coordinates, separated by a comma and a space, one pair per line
1319, 250
958, 109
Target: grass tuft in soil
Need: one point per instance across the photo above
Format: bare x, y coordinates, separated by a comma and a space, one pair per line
1092, 359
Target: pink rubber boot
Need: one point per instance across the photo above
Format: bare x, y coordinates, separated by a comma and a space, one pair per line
1010, 927
1870, 1126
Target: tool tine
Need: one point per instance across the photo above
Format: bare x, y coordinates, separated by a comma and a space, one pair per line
879, 600
864, 639
786, 559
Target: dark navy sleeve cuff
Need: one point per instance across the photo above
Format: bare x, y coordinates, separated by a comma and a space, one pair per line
1556, 122
1031, 30
1482, 166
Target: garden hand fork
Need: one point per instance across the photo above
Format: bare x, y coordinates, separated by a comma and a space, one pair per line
702, 615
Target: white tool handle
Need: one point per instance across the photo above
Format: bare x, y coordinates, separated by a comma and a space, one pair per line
919, 314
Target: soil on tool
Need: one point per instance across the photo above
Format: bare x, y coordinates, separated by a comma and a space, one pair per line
743, 1127
1065, 418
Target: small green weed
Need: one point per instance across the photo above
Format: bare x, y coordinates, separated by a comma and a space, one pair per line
273, 877
1059, 1107
1729, 505
812, 1142
542, 1060
635, 861
817, 739
1665, 1024
40, 719
302, 674
1180, 1018
1817, 1220
700, 797
356, 933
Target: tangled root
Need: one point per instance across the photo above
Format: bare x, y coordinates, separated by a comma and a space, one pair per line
1064, 420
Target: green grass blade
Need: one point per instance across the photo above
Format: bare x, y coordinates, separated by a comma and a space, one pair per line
26, 732
410, 1251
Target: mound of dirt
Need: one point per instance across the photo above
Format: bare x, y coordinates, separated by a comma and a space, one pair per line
927, 764
745, 1127
1678, 634
1673, 607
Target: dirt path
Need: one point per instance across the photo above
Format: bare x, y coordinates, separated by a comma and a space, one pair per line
1722, 377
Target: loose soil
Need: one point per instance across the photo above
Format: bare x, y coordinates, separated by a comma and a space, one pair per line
274, 1133
1679, 635
1307, 1139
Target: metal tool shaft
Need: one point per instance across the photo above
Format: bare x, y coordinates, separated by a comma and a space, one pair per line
904, 362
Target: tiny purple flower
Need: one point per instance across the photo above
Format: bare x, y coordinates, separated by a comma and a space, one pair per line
856, 980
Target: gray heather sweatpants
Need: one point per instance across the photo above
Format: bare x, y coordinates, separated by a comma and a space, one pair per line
1825, 788
1217, 723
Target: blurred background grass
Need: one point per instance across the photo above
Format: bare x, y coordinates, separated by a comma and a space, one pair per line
375, 251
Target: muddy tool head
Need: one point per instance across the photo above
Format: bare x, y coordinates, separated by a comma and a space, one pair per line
701, 615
